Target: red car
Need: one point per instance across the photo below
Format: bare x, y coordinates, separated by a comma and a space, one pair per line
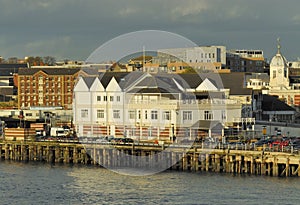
280, 143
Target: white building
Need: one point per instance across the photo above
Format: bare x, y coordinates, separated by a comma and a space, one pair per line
201, 54
145, 106
282, 84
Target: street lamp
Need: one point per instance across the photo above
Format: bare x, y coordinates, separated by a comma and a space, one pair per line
173, 132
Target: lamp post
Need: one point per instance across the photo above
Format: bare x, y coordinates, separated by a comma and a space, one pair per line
173, 132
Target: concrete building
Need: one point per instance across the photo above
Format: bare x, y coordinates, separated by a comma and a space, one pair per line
201, 54
245, 61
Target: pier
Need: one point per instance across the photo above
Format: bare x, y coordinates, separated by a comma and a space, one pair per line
277, 164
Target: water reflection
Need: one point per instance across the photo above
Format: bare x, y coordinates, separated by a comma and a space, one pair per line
37, 183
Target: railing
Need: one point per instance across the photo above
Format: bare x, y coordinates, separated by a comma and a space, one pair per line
154, 102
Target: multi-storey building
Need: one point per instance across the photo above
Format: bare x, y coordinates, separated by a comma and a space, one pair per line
8, 71
294, 76
146, 106
202, 55
46, 87
246, 61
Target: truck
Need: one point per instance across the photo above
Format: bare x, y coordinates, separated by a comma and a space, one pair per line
57, 132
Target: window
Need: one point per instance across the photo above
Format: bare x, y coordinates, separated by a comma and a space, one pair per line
146, 114
105, 98
223, 115
187, 115
98, 98
139, 114
154, 115
150, 132
116, 114
84, 113
100, 114
208, 115
111, 98
131, 114
167, 115
118, 98
274, 73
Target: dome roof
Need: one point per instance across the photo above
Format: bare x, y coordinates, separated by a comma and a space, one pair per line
278, 60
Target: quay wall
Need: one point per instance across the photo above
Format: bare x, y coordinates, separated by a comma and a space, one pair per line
180, 158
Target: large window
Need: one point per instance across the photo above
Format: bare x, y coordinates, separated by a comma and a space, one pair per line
116, 114
208, 115
84, 113
167, 115
98, 98
100, 114
154, 115
187, 115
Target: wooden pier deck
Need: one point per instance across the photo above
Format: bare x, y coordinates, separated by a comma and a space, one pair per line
178, 157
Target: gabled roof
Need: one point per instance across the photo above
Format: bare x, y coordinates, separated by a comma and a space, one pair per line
81, 85
113, 85
89, 81
190, 80
161, 83
173, 83
147, 82
97, 86
131, 79
233, 81
208, 85
236, 83
106, 77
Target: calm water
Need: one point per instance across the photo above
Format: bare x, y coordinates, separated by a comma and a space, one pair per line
37, 183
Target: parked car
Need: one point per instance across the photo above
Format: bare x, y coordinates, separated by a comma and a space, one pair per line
127, 140
236, 145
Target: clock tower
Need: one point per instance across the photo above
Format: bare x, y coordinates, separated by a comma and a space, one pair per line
279, 73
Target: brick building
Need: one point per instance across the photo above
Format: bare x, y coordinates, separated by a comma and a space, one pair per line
46, 87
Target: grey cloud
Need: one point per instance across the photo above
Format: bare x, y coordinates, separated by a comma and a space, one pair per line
29, 26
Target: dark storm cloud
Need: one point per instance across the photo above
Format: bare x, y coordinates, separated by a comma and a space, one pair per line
73, 29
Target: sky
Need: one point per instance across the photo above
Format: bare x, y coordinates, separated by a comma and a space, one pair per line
73, 29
